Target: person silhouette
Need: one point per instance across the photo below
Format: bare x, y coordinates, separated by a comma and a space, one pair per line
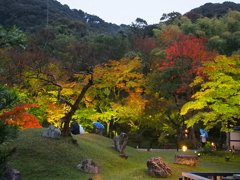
203, 139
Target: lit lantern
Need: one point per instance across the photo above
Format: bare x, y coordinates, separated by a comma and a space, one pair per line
184, 148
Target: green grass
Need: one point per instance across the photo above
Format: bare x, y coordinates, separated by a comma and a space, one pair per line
39, 158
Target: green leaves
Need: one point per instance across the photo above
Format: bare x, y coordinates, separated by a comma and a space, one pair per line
11, 37
7, 98
218, 100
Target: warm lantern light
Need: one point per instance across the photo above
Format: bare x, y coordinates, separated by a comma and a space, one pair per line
184, 148
198, 154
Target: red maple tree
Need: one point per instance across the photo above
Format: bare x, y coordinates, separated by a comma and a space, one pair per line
185, 54
20, 117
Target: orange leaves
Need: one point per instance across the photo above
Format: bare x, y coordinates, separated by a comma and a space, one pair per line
89, 101
20, 117
26, 120
121, 85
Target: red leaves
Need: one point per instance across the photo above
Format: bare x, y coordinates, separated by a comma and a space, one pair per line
20, 117
186, 55
144, 44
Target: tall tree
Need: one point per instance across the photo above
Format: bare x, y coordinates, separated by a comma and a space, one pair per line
217, 102
115, 84
184, 55
51, 77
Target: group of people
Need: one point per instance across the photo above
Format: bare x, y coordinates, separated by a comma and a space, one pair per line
78, 129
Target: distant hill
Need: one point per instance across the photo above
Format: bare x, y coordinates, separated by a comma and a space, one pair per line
210, 10
32, 15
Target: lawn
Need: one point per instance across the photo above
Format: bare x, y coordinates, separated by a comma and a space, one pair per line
39, 158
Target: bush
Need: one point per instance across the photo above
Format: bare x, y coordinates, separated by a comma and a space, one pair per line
7, 133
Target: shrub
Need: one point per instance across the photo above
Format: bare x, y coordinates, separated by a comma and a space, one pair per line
7, 133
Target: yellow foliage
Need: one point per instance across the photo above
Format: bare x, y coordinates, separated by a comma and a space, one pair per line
55, 112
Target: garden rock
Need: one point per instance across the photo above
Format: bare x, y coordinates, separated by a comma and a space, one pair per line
12, 174
189, 160
158, 168
88, 166
120, 142
52, 132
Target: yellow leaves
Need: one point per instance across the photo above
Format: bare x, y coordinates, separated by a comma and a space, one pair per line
121, 74
219, 94
202, 94
197, 80
192, 105
67, 92
55, 112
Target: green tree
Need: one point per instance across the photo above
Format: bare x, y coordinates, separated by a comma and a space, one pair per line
217, 102
11, 37
8, 98
7, 132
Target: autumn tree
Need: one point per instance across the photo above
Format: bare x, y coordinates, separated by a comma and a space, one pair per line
57, 80
20, 117
118, 85
170, 80
184, 55
217, 102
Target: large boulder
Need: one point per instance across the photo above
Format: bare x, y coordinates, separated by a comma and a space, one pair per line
52, 132
158, 168
120, 142
88, 166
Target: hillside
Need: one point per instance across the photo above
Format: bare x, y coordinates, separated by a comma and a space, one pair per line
33, 15
49, 159
216, 9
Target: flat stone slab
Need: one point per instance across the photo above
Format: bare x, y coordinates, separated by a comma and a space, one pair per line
189, 160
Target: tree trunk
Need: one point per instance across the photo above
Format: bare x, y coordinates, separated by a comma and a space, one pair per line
67, 118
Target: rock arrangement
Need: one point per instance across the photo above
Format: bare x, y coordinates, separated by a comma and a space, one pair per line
158, 168
88, 166
120, 142
52, 132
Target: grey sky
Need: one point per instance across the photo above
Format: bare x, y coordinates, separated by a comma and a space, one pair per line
126, 11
